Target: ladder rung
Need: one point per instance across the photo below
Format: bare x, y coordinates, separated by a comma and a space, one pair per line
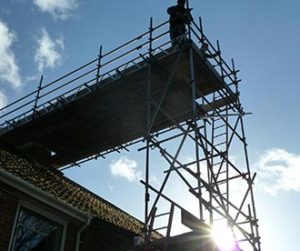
219, 135
230, 178
217, 119
219, 126
221, 144
160, 228
163, 214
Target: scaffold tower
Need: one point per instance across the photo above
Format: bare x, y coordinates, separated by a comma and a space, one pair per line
173, 101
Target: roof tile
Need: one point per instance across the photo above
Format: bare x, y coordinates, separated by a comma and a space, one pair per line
68, 191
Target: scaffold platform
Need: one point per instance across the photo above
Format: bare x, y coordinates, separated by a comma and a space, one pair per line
111, 109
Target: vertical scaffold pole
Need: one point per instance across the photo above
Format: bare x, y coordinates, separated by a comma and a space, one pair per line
194, 112
148, 98
235, 79
220, 62
201, 30
250, 186
228, 142
37, 95
99, 63
189, 25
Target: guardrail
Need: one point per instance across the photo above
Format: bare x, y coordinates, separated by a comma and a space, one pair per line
105, 69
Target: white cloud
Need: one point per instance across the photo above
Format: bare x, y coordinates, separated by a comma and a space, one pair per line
125, 168
32, 78
3, 100
48, 52
279, 170
9, 70
57, 8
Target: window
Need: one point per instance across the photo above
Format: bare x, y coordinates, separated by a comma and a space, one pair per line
34, 232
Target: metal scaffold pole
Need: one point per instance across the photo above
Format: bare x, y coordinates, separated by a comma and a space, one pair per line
176, 100
212, 135
194, 112
37, 96
148, 129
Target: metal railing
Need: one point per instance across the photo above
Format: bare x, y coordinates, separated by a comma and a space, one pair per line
105, 69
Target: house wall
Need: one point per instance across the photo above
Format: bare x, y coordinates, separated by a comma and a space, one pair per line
99, 235
10, 199
8, 208
71, 236
104, 236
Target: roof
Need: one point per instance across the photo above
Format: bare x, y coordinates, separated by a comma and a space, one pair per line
64, 189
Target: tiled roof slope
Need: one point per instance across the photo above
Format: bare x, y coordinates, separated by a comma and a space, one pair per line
67, 191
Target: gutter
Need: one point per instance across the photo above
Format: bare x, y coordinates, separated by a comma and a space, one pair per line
44, 197
78, 242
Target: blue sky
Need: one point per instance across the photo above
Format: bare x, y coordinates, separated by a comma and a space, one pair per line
52, 37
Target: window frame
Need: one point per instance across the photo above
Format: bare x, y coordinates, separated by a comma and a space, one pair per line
43, 212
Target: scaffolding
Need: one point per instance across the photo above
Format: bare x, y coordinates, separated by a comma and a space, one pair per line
206, 118
212, 134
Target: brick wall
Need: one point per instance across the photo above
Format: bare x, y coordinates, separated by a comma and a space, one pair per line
70, 242
100, 235
8, 208
104, 236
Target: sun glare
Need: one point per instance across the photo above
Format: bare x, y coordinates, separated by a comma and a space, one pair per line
223, 237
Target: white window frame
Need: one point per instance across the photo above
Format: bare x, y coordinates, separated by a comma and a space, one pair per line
44, 213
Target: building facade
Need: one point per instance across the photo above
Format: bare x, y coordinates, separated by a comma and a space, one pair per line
40, 209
